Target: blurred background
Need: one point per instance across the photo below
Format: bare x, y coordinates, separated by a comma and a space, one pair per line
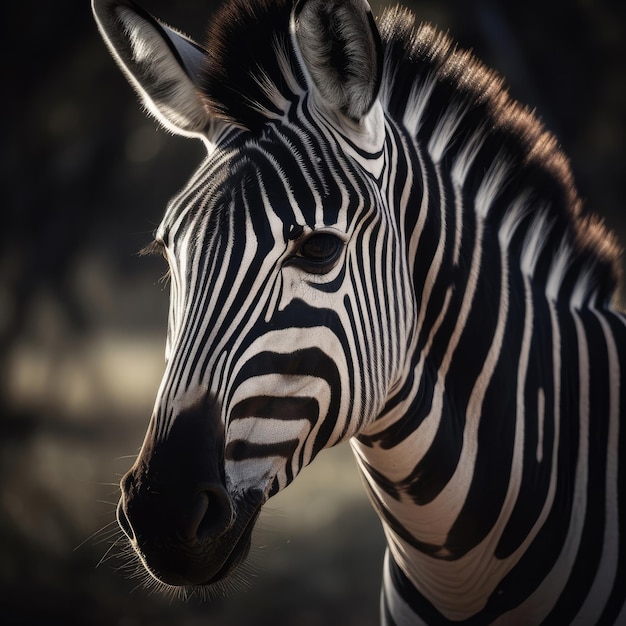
82, 318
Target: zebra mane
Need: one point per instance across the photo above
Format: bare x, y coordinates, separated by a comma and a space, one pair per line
250, 77
248, 73
431, 85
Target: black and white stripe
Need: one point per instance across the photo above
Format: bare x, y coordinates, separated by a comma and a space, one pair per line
382, 247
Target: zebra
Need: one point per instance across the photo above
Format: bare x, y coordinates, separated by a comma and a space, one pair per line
381, 247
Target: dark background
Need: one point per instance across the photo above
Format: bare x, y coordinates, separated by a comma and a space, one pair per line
82, 318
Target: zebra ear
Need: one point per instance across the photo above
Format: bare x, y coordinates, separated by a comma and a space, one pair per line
162, 65
340, 47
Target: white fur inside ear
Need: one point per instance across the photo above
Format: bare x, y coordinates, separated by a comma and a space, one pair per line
163, 85
339, 53
363, 140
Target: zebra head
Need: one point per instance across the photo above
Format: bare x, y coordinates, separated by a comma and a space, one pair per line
282, 340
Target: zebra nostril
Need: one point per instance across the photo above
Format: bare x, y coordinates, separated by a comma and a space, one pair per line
123, 521
127, 484
210, 515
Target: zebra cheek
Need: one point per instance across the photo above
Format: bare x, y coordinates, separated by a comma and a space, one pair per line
272, 430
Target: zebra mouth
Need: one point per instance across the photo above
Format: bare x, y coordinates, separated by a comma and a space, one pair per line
186, 566
237, 555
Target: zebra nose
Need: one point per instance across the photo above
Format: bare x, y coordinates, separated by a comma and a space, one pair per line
149, 514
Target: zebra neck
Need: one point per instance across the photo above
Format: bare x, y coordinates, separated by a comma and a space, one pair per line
418, 471
419, 458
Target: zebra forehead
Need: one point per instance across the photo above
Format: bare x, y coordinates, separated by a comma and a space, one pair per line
284, 168
244, 179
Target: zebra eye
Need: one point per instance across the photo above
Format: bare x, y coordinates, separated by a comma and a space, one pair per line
318, 253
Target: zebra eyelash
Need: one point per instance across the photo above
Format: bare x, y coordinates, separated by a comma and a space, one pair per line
157, 248
154, 248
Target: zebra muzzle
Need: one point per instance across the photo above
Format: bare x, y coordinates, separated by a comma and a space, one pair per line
175, 509
185, 541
